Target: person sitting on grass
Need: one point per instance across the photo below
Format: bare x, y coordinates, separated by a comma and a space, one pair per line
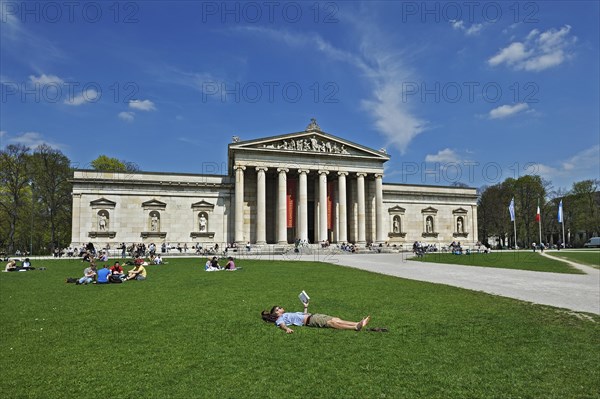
11, 266
137, 273
212, 265
230, 264
103, 275
116, 272
89, 274
27, 265
282, 320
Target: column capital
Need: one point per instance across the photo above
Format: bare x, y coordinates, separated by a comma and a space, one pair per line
300, 171
284, 170
323, 172
361, 174
263, 168
342, 173
379, 175
239, 167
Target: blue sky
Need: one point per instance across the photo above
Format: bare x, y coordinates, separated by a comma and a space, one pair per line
470, 92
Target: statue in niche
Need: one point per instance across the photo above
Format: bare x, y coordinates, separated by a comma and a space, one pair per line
202, 222
102, 222
396, 225
459, 225
429, 225
154, 223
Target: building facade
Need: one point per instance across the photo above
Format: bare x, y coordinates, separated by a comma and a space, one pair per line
308, 185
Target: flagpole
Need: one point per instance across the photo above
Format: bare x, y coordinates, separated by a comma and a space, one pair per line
540, 223
515, 228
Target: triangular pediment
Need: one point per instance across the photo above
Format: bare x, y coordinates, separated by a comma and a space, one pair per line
203, 205
154, 204
311, 142
396, 209
429, 209
102, 203
460, 211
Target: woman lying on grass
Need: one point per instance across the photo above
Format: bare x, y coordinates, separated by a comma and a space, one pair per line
282, 320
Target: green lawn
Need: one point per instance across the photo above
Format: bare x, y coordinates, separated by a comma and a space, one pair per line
588, 257
522, 260
185, 333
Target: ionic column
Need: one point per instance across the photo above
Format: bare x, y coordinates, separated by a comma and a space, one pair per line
261, 205
239, 203
323, 205
303, 198
380, 228
282, 206
360, 188
343, 222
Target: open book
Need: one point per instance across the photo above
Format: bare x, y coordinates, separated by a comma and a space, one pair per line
303, 296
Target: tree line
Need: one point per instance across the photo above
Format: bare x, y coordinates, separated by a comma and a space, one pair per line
36, 204
35, 197
581, 212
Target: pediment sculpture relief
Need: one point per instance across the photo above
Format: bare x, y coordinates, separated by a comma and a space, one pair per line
312, 144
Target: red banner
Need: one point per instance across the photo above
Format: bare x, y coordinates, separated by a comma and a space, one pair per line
330, 205
291, 202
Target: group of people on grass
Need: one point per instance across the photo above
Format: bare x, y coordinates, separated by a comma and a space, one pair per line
12, 266
212, 265
114, 274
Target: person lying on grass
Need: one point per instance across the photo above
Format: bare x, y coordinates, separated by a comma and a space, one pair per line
282, 320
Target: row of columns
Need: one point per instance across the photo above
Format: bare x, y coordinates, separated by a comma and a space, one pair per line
261, 214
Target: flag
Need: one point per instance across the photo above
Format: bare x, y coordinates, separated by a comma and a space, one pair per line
560, 212
511, 209
537, 216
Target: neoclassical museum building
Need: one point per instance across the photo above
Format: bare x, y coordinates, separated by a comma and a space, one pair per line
308, 185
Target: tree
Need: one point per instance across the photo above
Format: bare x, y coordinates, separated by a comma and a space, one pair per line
493, 215
14, 188
529, 190
51, 172
583, 207
107, 164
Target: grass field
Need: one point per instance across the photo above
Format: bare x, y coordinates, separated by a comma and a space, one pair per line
522, 260
588, 257
185, 333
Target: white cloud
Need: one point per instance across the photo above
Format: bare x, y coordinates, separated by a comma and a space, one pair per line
504, 111
44, 79
470, 31
581, 166
383, 70
142, 105
32, 140
87, 96
539, 51
127, 116
512, 54
443, 156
